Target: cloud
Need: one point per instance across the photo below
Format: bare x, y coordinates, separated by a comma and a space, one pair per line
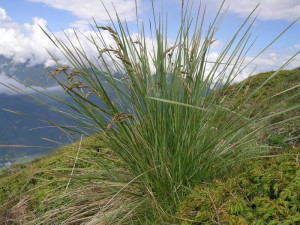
27, 43
270, 9
7, 82
6, 21
3, 15
295, 47
85, 10
270, 61
24, 42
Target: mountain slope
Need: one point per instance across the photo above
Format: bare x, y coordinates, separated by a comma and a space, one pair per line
19, 130
25, 188
286, 79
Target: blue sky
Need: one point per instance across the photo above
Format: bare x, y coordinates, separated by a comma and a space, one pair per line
22, 40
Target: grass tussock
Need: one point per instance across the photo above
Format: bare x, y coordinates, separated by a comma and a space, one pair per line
161, 115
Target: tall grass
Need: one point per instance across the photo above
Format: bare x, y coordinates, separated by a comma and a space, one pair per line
159, 108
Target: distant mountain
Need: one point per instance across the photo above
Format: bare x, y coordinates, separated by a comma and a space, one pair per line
24, 72
20, 130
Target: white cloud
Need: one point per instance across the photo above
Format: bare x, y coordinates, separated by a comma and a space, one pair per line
271, 61
6, 21
81, 24
270, 9
7, 82
27, 43
295, 47
217, 44
3, 15
126, 9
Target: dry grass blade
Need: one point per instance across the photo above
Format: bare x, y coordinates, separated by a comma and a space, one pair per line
74, 165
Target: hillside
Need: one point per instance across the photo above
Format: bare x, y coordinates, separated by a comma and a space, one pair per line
28, 191
286, 79
19, 130
24, 187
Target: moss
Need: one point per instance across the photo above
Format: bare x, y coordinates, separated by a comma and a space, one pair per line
267, 192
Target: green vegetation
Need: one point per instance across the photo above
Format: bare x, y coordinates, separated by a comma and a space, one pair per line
267, 192
159, 111
283, 125
29, 190
26, 188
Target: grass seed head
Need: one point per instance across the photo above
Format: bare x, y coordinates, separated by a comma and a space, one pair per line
119, 117
77, 84
58, 71
73, 74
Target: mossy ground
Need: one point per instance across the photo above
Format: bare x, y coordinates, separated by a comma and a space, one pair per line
267, 192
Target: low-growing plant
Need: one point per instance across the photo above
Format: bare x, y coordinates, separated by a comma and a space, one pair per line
158, 109
267, 192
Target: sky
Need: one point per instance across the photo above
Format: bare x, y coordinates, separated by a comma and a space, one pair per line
22, 39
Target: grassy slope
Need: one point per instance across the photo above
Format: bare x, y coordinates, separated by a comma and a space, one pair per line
25, 186
284, 80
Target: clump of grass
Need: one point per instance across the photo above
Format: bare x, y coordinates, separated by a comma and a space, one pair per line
160, 114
